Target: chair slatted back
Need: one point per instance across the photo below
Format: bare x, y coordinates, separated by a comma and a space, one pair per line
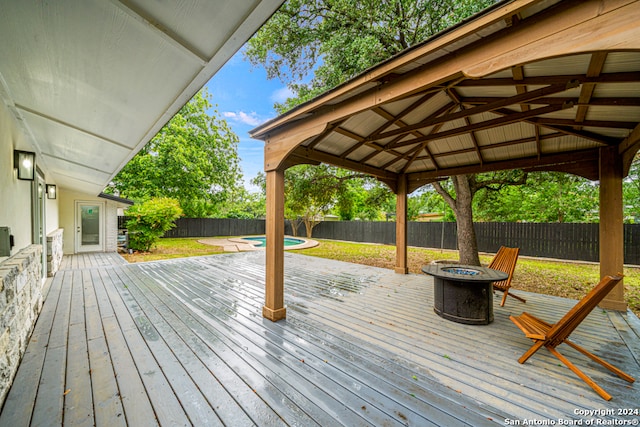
505, 260
570, 321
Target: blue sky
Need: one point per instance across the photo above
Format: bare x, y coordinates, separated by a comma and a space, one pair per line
244, 98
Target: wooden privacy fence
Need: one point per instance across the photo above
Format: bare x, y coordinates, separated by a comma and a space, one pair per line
562, 241
554, 240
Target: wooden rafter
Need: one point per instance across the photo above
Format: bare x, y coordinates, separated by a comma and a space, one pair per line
518, 75
487, 124
472, 135
425, 145
537, 139
590, 156
399, 156
622, 77
413, 153
610, 124
329, 129
501, 103
566, 130
595, 68
305, 153
606, 102
394, 120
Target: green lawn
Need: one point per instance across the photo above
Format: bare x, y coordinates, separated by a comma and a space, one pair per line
565, 279
174, 248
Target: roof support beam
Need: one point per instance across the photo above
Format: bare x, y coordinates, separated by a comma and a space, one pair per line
589, 156
505, 102
396, 119
595, 68
501, 121
611, 225
628, 149
331, 159
274, 308
402, 266
628, 77
608, 102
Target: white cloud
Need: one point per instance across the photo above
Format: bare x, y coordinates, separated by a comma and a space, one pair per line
250, 119
281, 94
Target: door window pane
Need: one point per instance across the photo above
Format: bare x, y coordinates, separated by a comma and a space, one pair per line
90, 225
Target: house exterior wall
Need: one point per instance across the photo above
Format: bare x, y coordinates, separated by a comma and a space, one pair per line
21, 282
111, 230
21, 299
15, 195
68, 200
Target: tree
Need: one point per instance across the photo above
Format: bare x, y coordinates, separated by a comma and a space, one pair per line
546, 197
149, 221
193, 159
631, 193
336, 40
363, 198
460, 201
312, 191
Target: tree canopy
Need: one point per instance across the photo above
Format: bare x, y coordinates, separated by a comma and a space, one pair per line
193, 159
335, 40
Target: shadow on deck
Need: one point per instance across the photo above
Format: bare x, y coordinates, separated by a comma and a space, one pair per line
182, 342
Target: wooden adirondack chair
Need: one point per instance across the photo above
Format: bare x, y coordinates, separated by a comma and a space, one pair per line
505, 260
551, 336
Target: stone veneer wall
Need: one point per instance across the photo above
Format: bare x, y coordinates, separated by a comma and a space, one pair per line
21, 300
54, 251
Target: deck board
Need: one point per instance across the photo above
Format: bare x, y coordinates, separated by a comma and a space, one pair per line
183, 342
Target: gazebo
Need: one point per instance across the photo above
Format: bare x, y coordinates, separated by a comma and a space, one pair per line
544, 85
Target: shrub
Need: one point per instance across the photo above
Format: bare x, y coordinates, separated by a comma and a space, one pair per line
150, 220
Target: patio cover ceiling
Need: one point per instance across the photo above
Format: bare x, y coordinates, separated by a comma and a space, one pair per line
528, 84
92, 81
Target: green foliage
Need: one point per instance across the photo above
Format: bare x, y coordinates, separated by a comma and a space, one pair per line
244, 205
363, 198
546, 197
631, 193
426, 200
336, 40
193, 159
311, 192
150, 220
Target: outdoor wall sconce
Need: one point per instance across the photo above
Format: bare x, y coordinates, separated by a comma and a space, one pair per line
51, 191
25, 162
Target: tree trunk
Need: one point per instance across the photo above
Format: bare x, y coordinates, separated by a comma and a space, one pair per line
463, 209
295, 224
467, 242
309, 224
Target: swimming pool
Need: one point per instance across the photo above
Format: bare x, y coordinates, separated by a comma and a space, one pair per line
262, 241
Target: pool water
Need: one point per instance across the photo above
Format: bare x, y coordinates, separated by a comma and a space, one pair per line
262, 241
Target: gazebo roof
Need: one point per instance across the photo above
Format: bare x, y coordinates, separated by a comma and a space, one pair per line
527, 84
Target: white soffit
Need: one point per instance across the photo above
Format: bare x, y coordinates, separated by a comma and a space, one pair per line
92, 81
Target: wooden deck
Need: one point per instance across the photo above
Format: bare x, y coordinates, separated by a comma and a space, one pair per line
182, 342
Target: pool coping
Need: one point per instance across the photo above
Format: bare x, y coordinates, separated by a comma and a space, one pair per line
239, 244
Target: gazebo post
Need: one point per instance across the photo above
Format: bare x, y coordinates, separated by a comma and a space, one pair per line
401, 226
611, 224
274, 309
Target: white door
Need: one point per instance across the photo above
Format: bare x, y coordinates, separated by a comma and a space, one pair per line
39, 218
89, 227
